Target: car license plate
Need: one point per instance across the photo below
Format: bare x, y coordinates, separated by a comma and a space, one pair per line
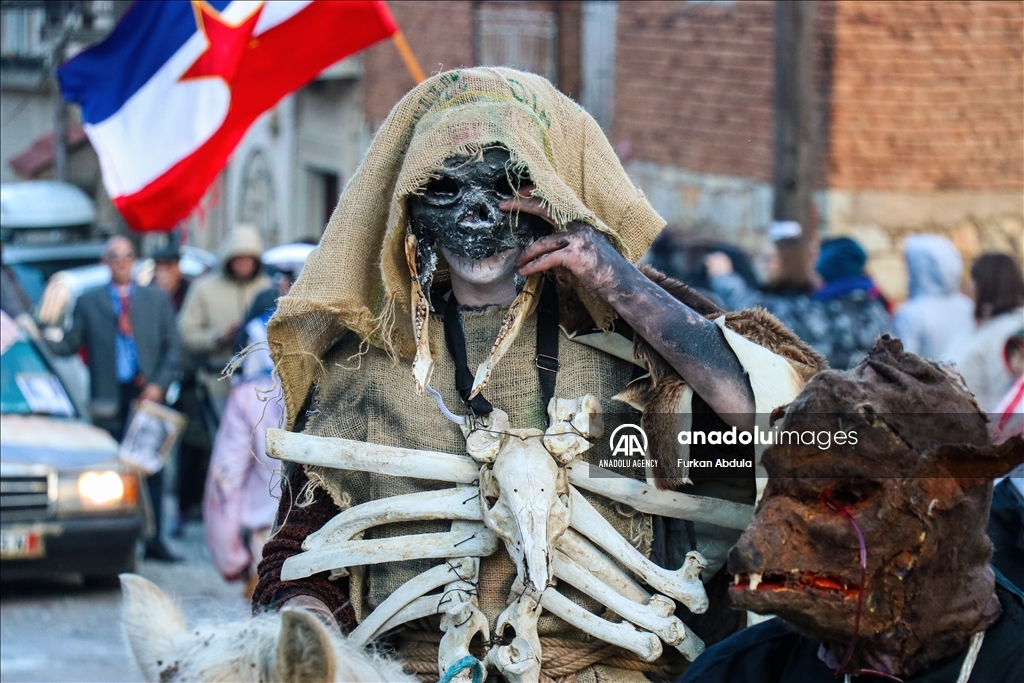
21, 544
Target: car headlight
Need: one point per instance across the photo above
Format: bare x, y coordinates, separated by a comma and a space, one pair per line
107, 489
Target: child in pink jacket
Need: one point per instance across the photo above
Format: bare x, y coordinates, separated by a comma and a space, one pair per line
240, 500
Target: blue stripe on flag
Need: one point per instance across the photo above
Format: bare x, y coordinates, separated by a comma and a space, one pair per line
105, 76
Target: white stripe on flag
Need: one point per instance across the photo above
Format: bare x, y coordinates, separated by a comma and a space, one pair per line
166, 120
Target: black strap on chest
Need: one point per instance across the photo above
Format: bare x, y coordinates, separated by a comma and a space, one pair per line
546, 359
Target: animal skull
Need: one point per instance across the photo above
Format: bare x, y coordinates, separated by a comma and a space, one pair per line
524, 499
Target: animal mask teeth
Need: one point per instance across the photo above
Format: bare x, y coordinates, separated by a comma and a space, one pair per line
755, 580
736, 579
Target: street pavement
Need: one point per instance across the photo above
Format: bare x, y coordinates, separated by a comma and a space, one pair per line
64, 631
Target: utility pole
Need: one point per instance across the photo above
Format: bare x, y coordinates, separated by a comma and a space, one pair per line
794, 123
58, 26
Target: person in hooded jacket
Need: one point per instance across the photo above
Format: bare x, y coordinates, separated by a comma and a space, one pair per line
210, 316
216, 303
937, 315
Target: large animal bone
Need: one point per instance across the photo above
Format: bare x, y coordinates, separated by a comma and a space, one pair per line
423, 364
409, 591
684, 584
461, 621
572, 422
597, 563
463, 587
646, 498
520, 309
417, 609
657, 616
460, 503
340, 556
360, 456
487, 436
520, 660
646, 645
521, 504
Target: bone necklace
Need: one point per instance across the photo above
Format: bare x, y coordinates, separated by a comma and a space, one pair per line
518, 490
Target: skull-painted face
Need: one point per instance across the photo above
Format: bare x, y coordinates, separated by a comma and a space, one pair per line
458, 212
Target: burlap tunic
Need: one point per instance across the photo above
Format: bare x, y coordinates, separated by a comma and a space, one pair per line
372, 398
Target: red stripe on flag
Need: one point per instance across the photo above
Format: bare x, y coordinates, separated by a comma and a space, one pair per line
281, 60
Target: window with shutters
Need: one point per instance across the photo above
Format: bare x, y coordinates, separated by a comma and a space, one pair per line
519, 37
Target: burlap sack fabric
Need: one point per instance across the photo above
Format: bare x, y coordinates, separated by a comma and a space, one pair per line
358, 280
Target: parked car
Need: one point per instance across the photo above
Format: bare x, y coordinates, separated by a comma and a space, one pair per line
67, 503
46, 226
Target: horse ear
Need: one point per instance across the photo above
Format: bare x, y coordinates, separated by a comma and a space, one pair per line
151, 621
304, 651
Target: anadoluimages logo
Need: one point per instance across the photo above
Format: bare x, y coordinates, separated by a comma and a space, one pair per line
628, 441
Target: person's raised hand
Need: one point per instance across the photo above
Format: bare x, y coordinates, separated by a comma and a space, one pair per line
581, 249
152, 392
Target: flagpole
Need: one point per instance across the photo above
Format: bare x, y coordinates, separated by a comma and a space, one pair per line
408, 57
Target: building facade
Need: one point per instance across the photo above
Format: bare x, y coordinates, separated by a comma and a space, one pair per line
918, 114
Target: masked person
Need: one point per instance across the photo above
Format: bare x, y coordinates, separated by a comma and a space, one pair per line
873, 554
491, 226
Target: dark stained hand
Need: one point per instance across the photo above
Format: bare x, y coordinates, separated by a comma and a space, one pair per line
689, 342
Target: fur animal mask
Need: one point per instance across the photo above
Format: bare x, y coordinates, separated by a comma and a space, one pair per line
912, 495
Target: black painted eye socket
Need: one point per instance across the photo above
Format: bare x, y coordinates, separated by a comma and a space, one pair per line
441, 192
503, 188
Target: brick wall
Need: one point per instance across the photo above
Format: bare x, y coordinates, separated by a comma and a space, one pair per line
441, 36
928, 96
693, 86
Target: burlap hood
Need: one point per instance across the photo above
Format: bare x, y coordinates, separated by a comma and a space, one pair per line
358, 279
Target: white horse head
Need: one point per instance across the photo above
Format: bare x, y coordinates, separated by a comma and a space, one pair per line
290, 645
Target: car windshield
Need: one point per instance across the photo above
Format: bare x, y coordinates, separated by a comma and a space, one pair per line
28, 386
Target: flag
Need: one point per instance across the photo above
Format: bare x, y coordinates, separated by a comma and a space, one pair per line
167, 96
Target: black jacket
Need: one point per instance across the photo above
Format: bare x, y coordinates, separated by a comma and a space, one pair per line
773, 652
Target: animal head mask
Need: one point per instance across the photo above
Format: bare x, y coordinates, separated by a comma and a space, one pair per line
879, 548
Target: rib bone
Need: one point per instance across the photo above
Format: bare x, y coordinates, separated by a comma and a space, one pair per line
455, 503
683, 584
396, 549
645, 498
582, 551
656, 616
645, 645
407, 593
417, 609
360, 456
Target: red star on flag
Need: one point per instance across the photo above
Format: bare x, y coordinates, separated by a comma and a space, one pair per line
226, 44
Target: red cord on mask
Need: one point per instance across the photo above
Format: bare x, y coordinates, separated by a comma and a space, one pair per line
832, 504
